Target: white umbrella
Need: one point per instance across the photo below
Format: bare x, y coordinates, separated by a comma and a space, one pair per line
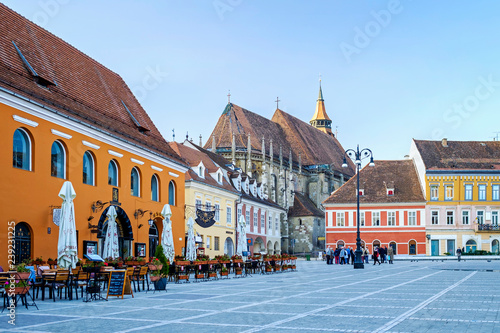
191, 245
111, 241
67, 248
167, 239
242, 236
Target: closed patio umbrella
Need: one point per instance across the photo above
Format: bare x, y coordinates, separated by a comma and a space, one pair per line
167, 239
242, 236
67, 247
111, 241
191, 245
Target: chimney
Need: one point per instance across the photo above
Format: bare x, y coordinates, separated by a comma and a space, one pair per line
444, 142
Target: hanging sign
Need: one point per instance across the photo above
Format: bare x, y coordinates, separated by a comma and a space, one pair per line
205, 219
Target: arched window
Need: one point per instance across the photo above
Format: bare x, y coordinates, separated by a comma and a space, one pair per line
21, 150
394, 247
494, 246
470, 246
135, 183
171, 193
22, 242
88, 168
412, 247
58, 160
112, 173
154, 188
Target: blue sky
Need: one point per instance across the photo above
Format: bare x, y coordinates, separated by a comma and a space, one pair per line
391, 70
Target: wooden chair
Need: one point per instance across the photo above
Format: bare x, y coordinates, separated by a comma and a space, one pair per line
63, 281
142, 277
131, 274
79, 280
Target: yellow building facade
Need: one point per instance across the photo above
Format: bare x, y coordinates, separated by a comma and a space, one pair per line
462, 192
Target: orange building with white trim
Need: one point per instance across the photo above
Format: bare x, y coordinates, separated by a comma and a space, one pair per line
64, 116
392, 210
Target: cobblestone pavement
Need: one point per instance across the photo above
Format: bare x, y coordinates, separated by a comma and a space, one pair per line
419, 296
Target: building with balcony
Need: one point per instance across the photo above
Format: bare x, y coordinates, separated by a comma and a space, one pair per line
461, 184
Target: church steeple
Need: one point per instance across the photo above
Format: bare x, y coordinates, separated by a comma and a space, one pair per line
320, 120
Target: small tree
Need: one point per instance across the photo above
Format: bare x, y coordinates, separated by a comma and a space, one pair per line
163, 259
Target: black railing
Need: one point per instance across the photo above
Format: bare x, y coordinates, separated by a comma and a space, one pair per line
488, 227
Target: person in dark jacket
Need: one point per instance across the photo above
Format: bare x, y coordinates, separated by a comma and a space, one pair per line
376, 256
352, 257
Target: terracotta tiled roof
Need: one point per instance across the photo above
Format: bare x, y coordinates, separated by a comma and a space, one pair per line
71, 83
314, 146
472, 155
303, 206
194, 157
375, 181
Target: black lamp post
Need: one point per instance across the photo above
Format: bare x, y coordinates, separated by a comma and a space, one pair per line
357, 156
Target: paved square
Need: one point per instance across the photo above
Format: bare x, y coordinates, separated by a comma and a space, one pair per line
424, 296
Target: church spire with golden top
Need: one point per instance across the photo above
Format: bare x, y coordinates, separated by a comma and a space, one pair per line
320, 120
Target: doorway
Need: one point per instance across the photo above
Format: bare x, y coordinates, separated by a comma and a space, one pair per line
435, 247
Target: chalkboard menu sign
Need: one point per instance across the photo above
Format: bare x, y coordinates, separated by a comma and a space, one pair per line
116, 285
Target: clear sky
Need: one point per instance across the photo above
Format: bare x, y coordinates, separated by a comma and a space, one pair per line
391, 70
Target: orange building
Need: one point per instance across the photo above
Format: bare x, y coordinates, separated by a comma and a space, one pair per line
64, 116
392, 210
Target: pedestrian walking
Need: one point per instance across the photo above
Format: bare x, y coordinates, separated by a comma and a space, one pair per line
336, 254
367, 254
352, 257
342, 256
390, 254
459, 253
348, 255
376, 256
328, 255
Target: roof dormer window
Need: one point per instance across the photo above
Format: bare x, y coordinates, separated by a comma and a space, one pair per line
200, 170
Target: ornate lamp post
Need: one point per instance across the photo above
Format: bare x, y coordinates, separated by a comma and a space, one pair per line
357, 156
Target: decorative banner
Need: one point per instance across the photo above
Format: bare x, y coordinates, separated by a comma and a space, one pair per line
56, 216
205, 219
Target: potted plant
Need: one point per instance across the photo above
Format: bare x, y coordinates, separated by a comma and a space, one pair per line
38, 261
238, 271
17, 287
51, 261
155, 264
269, 268
159, 276
22, 271
224, 271
130, 261
140, 261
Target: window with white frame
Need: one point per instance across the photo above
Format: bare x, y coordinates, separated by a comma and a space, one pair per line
21, 151
208, 205
198, 203
270, 223
247, 217
340, 219
229, 219
376, 218
208, 242
448, 193
391, 218
262, 222
480, 216
238, 213
450, 217
494, 217
412, 218
276, 224
217, 212
255, 218
495, 192
434, 217
465, 217
468, 192
434, 192
481, 192
361, 219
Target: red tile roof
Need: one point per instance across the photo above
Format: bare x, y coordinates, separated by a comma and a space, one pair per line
291, 133
303, 206
456, 155
400, 174
83, 89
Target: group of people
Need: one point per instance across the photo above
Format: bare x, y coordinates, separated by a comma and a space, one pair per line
345, 255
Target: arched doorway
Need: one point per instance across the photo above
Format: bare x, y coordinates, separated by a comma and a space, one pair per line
394, 247
229, 247
153, 239
494, 246
277, 249
470, 246
270, 247
258, 245
22, 242
340, 244
125, 233
375, 244
412, 247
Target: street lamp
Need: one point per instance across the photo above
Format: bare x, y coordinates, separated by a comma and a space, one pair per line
357, 156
